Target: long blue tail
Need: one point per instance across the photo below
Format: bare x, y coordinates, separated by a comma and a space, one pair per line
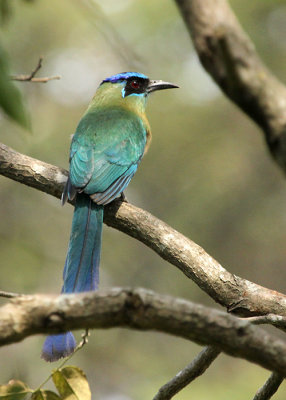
81, 272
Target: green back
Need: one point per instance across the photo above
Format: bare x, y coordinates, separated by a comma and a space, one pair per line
108, 144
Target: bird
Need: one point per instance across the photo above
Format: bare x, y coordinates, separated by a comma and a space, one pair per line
106, 150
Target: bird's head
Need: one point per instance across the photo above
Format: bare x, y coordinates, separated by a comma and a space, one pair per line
129, 89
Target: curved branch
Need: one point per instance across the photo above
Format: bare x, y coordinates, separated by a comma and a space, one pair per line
276, 320
270, 387
239, 295
230, 58
142, 310
192, 371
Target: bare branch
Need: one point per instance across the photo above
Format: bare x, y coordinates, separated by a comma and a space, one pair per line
278, 321
142, 310
35, 173
230, 58
195, 369
238, 295
23, 78
31, 76
8, 295
38, 67
270, 387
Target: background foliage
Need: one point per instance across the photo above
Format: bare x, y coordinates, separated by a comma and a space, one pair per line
207, 174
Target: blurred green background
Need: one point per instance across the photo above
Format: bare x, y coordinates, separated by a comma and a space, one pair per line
208, 174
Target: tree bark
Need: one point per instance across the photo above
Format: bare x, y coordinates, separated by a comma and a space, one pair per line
143, 310
229, 56
238, 295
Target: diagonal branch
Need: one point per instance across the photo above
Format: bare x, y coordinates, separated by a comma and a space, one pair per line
276, 320
8, 295
238, 295
141, 309
270, 387
31, 75
230, 58
192, 371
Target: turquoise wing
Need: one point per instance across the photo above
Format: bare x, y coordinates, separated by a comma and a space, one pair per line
105, 154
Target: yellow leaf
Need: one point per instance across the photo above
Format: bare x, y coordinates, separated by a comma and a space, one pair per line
14, 390
45, 395
72, 384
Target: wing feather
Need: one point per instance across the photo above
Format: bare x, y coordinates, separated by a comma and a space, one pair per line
105, 153
115, 189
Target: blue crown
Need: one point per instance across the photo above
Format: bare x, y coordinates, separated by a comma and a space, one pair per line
124, 76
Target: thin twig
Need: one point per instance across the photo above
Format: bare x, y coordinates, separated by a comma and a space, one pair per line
270, 387
196, 368
31, 76
39, 66
83, 342
9, 295
278, 321
22, 78
26, 78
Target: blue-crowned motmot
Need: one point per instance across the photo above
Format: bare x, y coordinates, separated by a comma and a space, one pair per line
106, 149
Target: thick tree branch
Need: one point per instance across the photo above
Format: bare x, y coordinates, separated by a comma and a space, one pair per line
35, 173
230, 58
238, 295
143, 310
192, 371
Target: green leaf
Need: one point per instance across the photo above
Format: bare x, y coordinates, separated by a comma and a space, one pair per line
71, 383
14, 390
10, 97
45, 395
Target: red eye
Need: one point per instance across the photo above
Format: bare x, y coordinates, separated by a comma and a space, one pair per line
135, 84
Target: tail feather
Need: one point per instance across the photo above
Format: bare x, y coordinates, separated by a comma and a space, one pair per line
81, 271
58, 346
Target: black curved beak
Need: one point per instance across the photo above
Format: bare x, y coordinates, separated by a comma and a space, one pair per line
159, 85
